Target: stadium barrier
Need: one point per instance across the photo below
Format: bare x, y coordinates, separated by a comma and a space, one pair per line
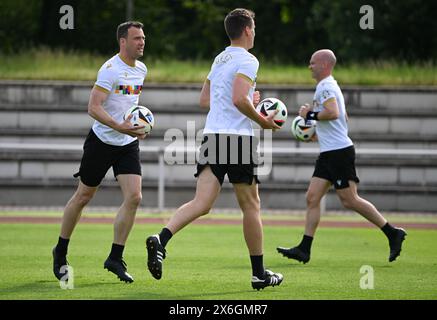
426, 159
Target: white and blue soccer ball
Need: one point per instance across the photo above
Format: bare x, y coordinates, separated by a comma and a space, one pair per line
141, 116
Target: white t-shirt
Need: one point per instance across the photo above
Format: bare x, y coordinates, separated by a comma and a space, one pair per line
224, 116
124, 84
332, 134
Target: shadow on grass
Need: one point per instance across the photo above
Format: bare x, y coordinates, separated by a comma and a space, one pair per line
30, 287
107, 290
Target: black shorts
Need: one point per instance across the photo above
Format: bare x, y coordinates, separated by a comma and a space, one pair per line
337, 166
98, 157
234, 155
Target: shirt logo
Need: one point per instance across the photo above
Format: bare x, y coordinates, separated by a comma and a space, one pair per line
317, 106
127, 89
326, 94
223, 59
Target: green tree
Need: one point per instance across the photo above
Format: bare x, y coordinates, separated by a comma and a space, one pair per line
287, 30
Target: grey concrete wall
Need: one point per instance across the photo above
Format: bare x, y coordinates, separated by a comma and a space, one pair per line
77, 93
55, 112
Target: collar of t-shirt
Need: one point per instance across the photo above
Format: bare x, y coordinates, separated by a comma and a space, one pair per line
124, 62
234, 48
327, 79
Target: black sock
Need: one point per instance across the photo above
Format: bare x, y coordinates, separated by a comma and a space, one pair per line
389, 230
62, 246
257, 266
305, 244
164, 236
116, 251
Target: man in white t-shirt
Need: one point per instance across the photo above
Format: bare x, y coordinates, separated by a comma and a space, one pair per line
112, 142
228, 148
336, 162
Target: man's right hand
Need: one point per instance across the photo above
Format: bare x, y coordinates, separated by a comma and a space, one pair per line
126, 127
269, 122
304, 110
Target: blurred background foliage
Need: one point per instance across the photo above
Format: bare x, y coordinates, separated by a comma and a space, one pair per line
287, 31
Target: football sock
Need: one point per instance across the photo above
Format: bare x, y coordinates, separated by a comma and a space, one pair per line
305, 244
164, 236
257, 266
389, 230
62, 246
116, 252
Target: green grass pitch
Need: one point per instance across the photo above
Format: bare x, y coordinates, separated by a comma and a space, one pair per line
211, 262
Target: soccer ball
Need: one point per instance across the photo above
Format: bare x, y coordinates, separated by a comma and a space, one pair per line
269, 105
302, 129
141, 116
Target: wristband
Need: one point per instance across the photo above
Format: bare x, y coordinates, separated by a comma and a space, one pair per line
311, 115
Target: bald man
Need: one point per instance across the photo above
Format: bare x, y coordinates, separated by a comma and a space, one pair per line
336, 162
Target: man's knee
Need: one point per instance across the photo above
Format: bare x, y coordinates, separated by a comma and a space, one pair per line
348, 202
203, 206
250, 204
312, 199
134, 199
83, 198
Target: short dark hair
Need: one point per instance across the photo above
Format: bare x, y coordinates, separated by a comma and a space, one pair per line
237, 20
122, 29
